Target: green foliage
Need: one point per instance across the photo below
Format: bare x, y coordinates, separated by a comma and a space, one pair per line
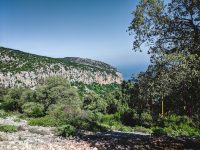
129, 117
177, 120
159, 131
17, 120
100, 89
94, 103
33, 109
8, 128
66, 114
112, 122
114, 103
146, 119
3, 114
66, 130
55, 90
11, 101
177, 130
31, 62
171, 34
142, 129
3, 91
28, 95
45, 121
176, 126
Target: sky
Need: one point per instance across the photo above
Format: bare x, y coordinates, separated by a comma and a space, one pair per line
95, 29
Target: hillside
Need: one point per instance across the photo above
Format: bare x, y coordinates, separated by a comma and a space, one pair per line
18, 68
90, 62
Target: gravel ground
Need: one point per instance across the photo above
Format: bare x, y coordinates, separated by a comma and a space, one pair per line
37, 138
44, 138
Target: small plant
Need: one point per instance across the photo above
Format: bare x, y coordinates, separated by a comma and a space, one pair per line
142, 129
17, 120
45, 121
66, 130
159, 131
3, 114
8, 128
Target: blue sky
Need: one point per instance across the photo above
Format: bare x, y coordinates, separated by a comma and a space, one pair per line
93, 29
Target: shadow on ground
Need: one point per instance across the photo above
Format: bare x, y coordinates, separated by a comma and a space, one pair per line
130, 141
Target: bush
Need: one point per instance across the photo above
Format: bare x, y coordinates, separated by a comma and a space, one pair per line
66, 130
65, 113
32, 109
177, 120
94, 103
8, 128
3, 114
177, 126
12, 98
28, 95
142, 129
146, 119
45, 121
159, 131
181, 130
129, 118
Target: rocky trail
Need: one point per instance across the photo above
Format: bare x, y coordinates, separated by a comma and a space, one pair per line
37, 138
44, 138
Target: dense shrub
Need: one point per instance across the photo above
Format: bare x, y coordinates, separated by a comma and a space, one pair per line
159, 131
66, 130
8, 128
113, 104
146, 119
65, 113
94, 103
33, 109
3, 91
177, 120
3, 114
12, 98
176, 126
27, 96
129, 118
142, 129
45, 121
57, 90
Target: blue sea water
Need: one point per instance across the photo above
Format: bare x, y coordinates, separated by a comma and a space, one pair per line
128, 71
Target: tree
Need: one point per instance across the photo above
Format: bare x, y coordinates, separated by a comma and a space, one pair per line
171, 32
11, 100
94, 103
57, 90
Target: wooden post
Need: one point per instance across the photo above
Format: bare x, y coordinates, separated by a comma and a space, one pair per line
162, 106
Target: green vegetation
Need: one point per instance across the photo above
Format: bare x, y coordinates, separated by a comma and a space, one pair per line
58, 104
45, 121
164, 99
33, 109
8, 128
22, 61
66, 130
3, 114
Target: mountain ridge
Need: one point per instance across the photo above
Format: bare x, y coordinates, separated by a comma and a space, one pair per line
20, 68
90, 62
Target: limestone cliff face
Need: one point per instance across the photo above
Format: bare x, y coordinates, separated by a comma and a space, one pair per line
23, 69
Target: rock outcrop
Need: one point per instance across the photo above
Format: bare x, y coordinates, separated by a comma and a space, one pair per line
18, 68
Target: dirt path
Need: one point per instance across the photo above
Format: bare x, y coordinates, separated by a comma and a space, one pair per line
37, 138
44, 138
132, 141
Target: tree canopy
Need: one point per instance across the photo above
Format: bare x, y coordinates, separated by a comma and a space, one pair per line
171, 33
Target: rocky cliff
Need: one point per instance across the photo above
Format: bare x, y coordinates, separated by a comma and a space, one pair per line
18, 68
